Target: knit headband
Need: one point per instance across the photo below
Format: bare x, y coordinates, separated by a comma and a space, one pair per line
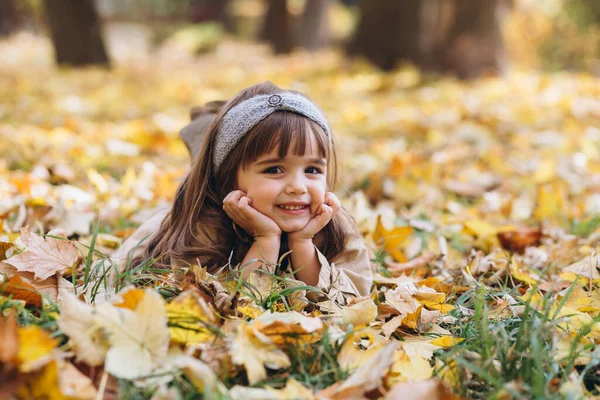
243, 117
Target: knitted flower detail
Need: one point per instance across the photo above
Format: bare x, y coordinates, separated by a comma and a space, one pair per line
274, 100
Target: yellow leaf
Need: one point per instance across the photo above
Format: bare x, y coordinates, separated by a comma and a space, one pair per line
392, 239
410, 369
250, 311
412, 319
446, 341
434, 301
359, 348
522, 274
254, 351
550, 201
545, 171
363, 312
292, 390
480, 228
43, 385
35, 345
187, 316
129, 298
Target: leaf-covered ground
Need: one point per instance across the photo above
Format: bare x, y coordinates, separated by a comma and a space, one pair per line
480, 202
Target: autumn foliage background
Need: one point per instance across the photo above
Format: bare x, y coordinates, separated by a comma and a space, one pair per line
479, 199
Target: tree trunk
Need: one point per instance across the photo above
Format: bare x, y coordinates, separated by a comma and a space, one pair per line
9, 17
474, 44
211, 10
277, 27
388, 31
314, 29
75, 30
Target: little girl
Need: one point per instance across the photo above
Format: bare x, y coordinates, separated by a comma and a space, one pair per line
259, 188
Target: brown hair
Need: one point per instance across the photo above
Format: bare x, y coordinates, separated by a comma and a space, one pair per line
197, 228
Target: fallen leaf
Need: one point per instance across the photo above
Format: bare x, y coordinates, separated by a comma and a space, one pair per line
361, 312
188, 314
254, 351
369, 377
138, 338
87, 340
431, 389
9, 343
35, 346
392, 239
18, 289
518, 240
44, 256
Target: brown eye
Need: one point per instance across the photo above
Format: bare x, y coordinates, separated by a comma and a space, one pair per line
313, 170
273, 170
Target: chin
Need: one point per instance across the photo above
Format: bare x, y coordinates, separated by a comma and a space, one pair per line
287, 228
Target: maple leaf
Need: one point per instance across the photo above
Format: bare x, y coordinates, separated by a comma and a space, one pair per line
44, 256
138, 338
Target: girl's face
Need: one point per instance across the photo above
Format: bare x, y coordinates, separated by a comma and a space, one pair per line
288, 190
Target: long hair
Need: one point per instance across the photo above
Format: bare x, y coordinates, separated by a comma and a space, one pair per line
197, 228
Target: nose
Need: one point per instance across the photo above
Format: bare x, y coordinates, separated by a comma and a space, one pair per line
296, 184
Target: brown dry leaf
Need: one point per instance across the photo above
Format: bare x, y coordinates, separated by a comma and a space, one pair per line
4, 247
407, 267
44, 256
18, 289
431, 389
9, 343
518, 240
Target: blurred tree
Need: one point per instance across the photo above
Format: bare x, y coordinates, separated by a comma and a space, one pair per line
474, 45
211, 10
75, 31
314, 29
388, 31
276, 28
10, 18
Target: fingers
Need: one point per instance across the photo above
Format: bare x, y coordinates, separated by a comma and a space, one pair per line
333, 202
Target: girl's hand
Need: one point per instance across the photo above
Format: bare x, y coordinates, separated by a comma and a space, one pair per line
239, 208
323, 215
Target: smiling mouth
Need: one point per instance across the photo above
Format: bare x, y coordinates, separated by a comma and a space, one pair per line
293, 208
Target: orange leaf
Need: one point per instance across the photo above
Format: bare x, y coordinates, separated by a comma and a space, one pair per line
392, 239
21, 290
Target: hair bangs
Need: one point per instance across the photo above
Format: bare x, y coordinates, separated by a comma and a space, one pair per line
285, 131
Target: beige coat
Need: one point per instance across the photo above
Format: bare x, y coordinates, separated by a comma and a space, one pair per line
350, 276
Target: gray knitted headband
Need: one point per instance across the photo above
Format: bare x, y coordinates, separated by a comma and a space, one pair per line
243, 117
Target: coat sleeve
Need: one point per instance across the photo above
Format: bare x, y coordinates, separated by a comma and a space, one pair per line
351, 276
136, 243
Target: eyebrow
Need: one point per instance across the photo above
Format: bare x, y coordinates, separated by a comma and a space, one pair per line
320, 161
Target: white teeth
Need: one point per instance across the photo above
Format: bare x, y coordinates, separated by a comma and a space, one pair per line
291, 207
